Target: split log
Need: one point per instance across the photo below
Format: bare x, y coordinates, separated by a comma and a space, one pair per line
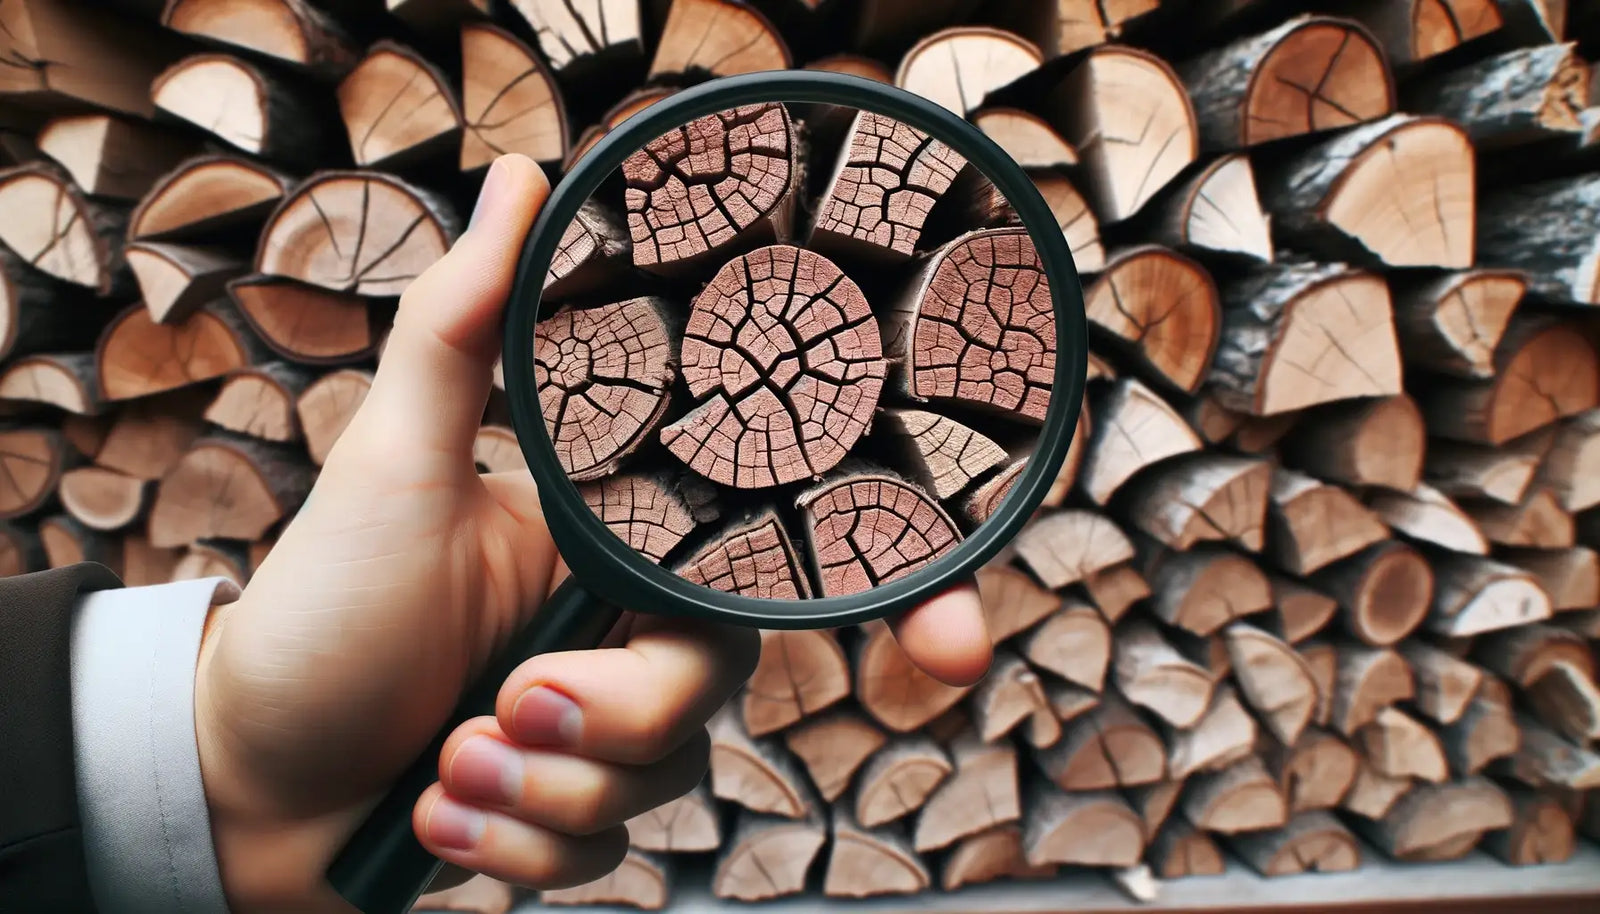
1217, 211
1160, 306
1063, 26
243, 105
757, 774
1369, 680
1433, 814
897, 780
138, 357
1502, 473
1127, 114
1315, 772
1513, 98
1281, 317
1134, 428
685, 825
206, 195
57, 57
1154, 675
1276, 681
1311, 524
1115, 589
39, 313
227, 488
65, 381
1312, 842
110, 156
868, 528
800, 673
1084, 829
1445, 686
67, 542
895, 692
1108, 747
304, 323
1545, 759
1570, 577
944, 455
1241, 797
1073, 642
1426, 515
587, 35
104, 499
326, 407
1154, 803
767, 857
509, 101
1372, 794
291, 31
1416, 30
151, 434
866, 861
1012, 601
1571, 467
1308, 75
260, 401
652, 513
981, 794
958, 67
1385, 591
1009, 694
1026, 138
1484, 732
1064, 547
833, 746
1203, 589
721, 182
1567, 699
1541, 832
1452, 324
1300, 611
397, 108
1224, 734
1179, 850
1526, 394
988, 856
31, 463
58, 230
175, 281
356, 231
1398, 746
1538, 521
1516, 230
1076, 219
1378, 442
720, 37
1362, 194
1473, 595
1202, 497
887, 181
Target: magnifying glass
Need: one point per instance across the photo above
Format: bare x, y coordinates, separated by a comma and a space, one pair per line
788, 349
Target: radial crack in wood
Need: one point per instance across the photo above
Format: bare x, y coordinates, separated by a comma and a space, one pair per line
1312, 842
1311, 524
1316, 772
1064, 547
886, 182
1473, 595
958, 67
1076, 219
509, 101
138, 357
1201, 498
1276, 682
720, 37
1026, 138
989, 856
800, 673
1161, 306
1453, 323
1216, 211
584, 30
898, 778
31, 463
1087, 829
1154, 675
1203, 589
227, 488
1134, 428
1415, 30
758, 774
259, 401
647, 511
1105, 747
754, 557
1242, 797
832, 746
1544, 372
1012, 601
1517, 97
65, 381
866, 529
1179, 850
892, 689
945, 455
865, 862
397, 108
59, 231
326, 407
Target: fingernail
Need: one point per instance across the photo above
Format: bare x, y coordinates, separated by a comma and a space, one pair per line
493, 184
486, 769
545, 717
455, 826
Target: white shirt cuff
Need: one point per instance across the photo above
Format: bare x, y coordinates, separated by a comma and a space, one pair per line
146, 830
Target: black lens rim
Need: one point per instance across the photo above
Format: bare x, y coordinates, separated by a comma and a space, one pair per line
612, 570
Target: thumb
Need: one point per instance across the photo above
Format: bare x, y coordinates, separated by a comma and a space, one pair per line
430, 390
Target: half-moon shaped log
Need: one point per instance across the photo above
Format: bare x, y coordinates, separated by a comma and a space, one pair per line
397, 107
138, 357
292, 31
958, 67
207, 194
241, 104
305, 323
784, 354
754, 558
55, 228
66, 381
719, 37
509, 101
1164, 307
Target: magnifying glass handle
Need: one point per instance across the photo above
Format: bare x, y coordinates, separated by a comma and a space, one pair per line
383, 868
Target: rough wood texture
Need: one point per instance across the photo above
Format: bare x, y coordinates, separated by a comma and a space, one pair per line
1452, 323
1155, 676
1385, 591
1433, 814
891, 689
260, 401
886, 182
509, 101
109, 156
60, 231
958, 67
588, 32
1445, 685
1368, 681
1214, 211
1087, 829
175, 280
1160, 306
226, 487
1474, 595
1203, 589
1311, 524
1312, 842
1064, 547
868, 528
1224, 734
800, 673
720, 37
1203, 497
1281, 317
291, 31
1525, 227
1512, 98
1107, 747
757, 774
1308, 75
1179, 850
1133, 428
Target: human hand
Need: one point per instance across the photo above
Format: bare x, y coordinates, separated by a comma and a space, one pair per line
402, 575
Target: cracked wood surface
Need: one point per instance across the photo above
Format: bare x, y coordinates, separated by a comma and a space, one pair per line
1162, 306
396, 107
886, 182
509, 101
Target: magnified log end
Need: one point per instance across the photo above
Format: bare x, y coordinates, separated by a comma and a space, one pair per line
891, 176
754, 559
603, 376
784, 354
701, 186
644, 511
867, 529
984, 332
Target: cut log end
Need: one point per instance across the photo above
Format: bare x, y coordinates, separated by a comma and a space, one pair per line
888, 181
958, 67
865, 530
396, 107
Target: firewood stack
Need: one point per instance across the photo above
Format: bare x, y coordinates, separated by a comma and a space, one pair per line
1319, 582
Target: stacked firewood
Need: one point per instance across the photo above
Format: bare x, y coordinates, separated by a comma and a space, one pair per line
1319, 581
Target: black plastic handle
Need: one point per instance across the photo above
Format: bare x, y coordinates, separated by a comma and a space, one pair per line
383, 868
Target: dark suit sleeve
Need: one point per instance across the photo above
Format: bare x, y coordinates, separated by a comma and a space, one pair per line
41, 850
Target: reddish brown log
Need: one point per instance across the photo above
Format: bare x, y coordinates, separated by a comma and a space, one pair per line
138, 357
304, 323
104, 499
1300, 611
865, 529
1541, 832
1528, 390
649, 512
753, 557
31, 463
944, 454
1311, 524
987, 856
1538, 521
887, 181
1202, 497
1415, 30
1107, 747
207, 194
1163, 307
1452, 324
1315, 773
1369, 680
1378, 442
1384, 591
227, 488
